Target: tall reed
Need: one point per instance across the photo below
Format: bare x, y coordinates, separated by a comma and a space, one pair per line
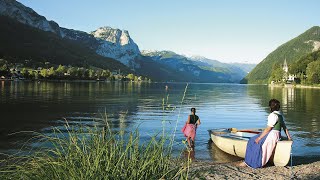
82, 152
95, 153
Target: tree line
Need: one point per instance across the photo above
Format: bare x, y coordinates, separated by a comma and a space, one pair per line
61, 72
306, 70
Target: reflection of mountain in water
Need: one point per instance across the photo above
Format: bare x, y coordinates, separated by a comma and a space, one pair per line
36, 106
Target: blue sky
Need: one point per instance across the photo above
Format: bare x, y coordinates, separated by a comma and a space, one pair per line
225, 30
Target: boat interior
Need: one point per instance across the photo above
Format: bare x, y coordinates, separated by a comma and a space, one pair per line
243, 134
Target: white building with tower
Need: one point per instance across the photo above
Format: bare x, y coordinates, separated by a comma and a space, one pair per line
286, 76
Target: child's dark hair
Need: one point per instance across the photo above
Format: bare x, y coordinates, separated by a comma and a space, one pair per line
274, 105
193, 110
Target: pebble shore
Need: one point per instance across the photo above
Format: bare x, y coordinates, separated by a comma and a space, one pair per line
207, 170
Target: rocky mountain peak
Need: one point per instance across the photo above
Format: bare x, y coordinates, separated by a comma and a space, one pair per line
106, 41
112, 35
158, 53
116, 43
197, 57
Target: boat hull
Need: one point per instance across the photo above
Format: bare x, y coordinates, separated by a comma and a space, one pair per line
235, 143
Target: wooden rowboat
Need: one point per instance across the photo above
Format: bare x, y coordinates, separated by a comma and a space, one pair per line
234, 142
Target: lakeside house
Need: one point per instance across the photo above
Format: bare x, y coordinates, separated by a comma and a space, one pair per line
117, 74
287, 77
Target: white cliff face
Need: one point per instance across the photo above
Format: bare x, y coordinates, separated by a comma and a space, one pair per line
315, 44
25, 15
106, 41
116, 44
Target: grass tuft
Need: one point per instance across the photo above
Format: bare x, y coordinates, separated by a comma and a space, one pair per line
96, 153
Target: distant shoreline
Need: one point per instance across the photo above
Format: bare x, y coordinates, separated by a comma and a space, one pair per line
64, 80
294, 86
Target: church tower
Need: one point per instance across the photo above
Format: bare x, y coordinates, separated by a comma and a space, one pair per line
285, 66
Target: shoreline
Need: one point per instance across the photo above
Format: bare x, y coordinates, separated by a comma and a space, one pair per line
294, 86
210, 170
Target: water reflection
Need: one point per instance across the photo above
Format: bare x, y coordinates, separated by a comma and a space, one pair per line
220, 156
32, 106
38, 106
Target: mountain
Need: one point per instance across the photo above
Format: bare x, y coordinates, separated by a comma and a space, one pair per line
106, 41
246, 67
238, 69
203, 69
20, 43
38, 40
116, 44
203, 61
161, 72
26, 15
292, 51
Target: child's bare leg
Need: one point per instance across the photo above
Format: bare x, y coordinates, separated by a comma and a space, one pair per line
192, 143
188, 139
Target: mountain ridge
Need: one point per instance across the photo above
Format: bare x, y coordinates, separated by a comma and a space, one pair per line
213, 68
32, 44
114, 44
292, 51
123, 52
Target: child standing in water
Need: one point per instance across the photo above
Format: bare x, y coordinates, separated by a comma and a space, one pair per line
189, 129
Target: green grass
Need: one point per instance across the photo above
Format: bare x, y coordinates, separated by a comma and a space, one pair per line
84, 152
96, 153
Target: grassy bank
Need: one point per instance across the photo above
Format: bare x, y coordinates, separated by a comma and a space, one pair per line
96, 153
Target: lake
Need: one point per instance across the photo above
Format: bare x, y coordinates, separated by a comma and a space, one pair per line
150, 107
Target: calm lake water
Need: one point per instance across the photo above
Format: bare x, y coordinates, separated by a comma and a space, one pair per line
33, 106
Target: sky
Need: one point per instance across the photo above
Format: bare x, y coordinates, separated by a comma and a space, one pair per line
243, 31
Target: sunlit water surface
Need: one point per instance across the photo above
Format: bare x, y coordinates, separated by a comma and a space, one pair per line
33, 106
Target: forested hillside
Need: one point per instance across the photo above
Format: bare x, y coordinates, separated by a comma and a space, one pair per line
292, 51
